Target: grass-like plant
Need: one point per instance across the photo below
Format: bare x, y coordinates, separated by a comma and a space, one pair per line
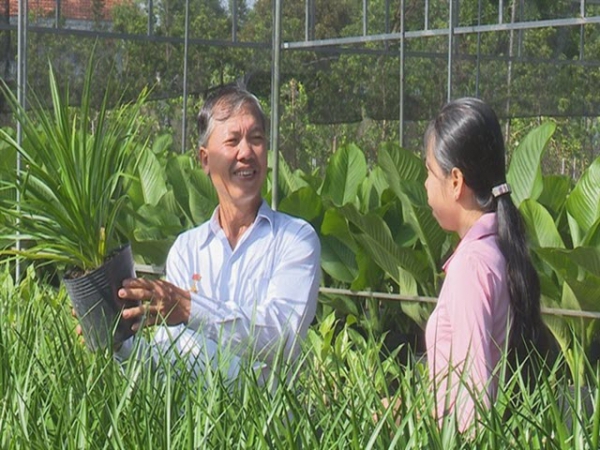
74, 163
56, 394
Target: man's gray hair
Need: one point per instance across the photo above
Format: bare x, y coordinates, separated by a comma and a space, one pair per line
221, 104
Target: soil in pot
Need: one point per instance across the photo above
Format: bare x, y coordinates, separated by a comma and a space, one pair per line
94, 298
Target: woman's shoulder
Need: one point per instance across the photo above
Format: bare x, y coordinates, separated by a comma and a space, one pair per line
479, 253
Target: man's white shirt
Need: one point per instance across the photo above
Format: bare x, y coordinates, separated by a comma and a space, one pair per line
247, 302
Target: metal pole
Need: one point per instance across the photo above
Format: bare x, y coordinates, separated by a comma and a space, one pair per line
426, 24
582, 31
57, 13
402, 56
185, 71
307, 20
275, 80
310, 19
150, 17
365, 19
450, 47
234, 20
22, 98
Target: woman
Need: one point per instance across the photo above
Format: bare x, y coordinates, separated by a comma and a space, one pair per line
490, 299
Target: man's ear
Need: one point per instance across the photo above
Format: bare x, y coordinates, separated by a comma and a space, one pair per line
203, 155
458, 182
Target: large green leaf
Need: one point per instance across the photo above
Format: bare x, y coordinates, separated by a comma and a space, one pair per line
338, 260
549, 285
203, 196
540, 225
418, 214
559, 260
376, 240
193, 191
580, 270
592, 237
163, 144
405, 173
371, 190
152, 182
417, 311
525, 172
407, 166
563, 260
369, 275
177, 173
155, 230
587, 292
335, 224
559, 326
555, 193
288, 180
344, 174
583, 203
304, 203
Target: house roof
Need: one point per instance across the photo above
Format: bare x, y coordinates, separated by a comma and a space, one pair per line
69, 9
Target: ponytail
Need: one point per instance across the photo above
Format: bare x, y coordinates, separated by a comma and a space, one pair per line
527, 329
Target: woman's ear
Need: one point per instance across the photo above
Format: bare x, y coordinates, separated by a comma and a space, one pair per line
458, 182
203, 156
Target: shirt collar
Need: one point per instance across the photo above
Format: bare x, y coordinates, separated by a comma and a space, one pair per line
485, 226
264, 213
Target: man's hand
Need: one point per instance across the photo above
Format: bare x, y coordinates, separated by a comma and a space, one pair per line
160, 302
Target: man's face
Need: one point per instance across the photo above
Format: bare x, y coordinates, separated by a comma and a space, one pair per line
235, 157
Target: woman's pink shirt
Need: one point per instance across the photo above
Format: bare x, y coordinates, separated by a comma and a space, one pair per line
467, 331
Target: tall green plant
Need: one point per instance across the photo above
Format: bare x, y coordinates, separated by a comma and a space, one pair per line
567, 257
73, 174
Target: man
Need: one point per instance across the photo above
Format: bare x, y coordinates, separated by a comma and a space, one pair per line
247, 280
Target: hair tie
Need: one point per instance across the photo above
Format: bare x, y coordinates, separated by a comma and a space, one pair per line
501, 189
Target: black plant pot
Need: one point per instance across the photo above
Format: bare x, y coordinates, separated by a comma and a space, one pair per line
95, 300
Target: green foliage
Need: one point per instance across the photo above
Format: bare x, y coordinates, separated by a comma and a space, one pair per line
56, 394
168, 194
525, 172
379, 233
73, 175
567, 258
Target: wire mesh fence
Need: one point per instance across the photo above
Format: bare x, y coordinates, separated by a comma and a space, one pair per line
360, 71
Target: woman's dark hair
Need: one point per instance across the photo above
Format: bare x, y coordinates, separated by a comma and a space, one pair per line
466, 134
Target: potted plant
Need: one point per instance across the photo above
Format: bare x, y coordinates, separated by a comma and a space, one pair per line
71, 190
